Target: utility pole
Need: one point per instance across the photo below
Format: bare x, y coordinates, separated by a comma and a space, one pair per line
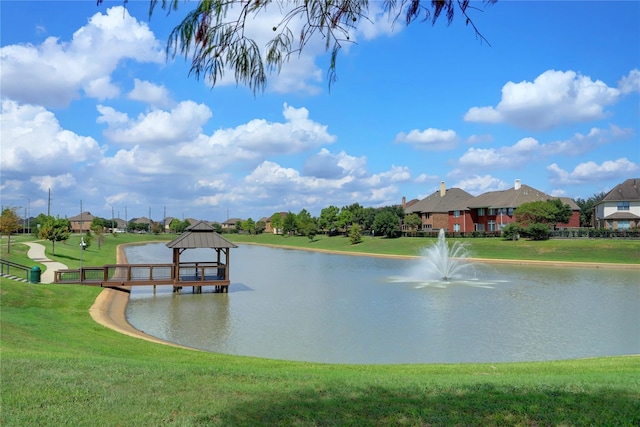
81, 241
27, 215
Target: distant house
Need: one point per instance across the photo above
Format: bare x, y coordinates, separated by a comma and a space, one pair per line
81, 222
493, 210
620, 208
121, 226
434, 209
230, 224
269, 228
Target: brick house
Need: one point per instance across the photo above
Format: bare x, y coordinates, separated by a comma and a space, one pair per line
493, 210
81, 222
434, 210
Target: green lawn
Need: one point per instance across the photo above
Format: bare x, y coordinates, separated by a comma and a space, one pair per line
59, 367
580, 250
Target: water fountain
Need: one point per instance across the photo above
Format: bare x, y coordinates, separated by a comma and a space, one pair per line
446, 262
441, 265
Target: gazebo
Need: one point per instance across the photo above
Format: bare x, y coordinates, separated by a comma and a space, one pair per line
201, 273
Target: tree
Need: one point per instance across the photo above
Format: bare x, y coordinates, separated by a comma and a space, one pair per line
214, 32
412, 221
345, 219
98, 231
9, 224
551, 211
328, 218
368, 216
586, 208
306, 224
277, 222
55, 230
386, 223
562, 212
355, 234
260, 227
249, 225
289, 224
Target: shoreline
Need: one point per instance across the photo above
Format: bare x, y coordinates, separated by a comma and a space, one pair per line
110, 307
110, 310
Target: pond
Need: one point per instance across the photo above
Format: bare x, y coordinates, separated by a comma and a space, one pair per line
310, 306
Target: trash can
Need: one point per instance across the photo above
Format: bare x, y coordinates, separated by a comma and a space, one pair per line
35, 274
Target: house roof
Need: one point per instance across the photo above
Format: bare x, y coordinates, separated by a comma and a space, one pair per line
626, 191
437, 203
84, 217
622, 215
200, 235
232, 221
513, 198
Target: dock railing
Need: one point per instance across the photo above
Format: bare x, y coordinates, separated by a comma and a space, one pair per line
145, 274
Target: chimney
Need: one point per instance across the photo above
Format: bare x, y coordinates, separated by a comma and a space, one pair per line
443, 189
516, 185
404, 202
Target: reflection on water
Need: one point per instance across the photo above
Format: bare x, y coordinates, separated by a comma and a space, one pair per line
297, 305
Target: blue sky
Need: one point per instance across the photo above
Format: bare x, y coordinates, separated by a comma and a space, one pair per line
93, 111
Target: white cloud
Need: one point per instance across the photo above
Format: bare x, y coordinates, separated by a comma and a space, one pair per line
258, 138
591, 172
580, 144
101, 88
477, 184
327, 165
553, 99
429, 139
630, 83
46, 183
32, 137
507, 157
158, 127
53, 73
424, 178
154, 95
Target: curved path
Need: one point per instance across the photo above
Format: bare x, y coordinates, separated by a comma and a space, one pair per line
36, 253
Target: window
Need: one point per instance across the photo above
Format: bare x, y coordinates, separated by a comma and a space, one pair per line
456, 228
492, 225
492, 211
623, 225
456, 214
623, 206
510, 211
480, 211
479, 227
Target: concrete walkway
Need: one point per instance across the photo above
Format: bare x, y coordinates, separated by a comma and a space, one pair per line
36, 253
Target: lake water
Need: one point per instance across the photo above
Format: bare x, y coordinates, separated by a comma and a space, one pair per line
309, 306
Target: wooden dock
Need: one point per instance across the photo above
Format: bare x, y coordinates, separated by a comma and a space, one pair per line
194, 274
179, 274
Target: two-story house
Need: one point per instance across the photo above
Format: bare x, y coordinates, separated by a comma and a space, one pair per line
620, 208
434, 209
493, 210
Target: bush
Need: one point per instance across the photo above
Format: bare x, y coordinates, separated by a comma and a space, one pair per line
538, 231
512, 231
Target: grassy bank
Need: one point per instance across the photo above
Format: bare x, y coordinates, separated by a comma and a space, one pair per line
579, 250
61, 368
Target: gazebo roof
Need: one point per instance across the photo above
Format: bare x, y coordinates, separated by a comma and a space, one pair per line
200, 235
